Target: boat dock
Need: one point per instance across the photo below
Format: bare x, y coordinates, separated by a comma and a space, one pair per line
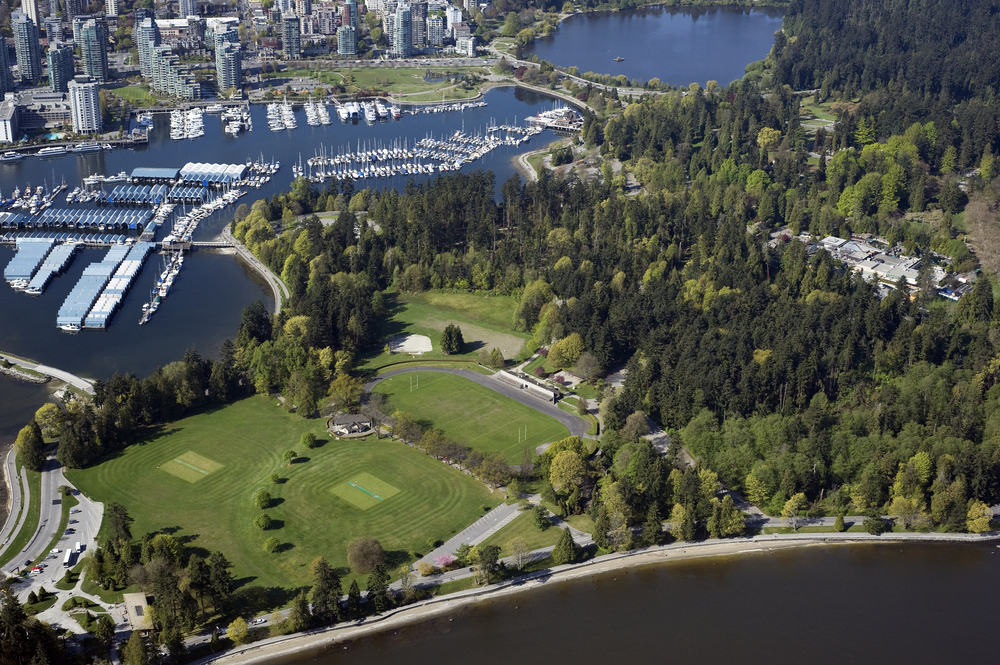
118, 286
55, 263
87, 239
95, 277
138, 194
79, 219
30, 254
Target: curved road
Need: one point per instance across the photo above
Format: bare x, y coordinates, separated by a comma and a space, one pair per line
577, 426
277, 286
72, 379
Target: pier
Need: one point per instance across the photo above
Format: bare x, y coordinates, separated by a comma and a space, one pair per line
118, 286
85, 239
55, 263
95, 277
30, 254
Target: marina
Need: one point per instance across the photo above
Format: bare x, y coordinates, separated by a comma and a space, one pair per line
54, 263
30, 254
81, 299
118, 286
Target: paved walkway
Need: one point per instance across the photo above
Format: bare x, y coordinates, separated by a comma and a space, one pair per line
16, 516
476, 532
72, 379
277, 286
577, 426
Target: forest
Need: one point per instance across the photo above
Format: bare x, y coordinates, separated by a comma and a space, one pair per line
775, 366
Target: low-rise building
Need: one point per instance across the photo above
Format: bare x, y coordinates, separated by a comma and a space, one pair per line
8, 121
43, 109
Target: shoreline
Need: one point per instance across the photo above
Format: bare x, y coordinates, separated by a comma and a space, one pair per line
322, 639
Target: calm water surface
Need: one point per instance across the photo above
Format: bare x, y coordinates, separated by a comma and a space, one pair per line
679, 46
853, 604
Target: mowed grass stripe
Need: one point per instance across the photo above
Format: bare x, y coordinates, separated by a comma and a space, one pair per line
471, 414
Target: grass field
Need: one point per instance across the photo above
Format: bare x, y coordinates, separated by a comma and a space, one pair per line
485, 321
397, 80
471, 414
136, 95
239, 446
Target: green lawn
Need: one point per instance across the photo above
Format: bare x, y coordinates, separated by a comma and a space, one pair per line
471, 414
245, 441
523, 526
136, 95
30, 524
401, 81
485, 321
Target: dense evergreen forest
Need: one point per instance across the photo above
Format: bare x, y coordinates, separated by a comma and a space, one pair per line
779, 369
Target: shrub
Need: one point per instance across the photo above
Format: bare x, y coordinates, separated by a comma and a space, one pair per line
274, 478
308, 440
271, 545
838, 524
263, 522
425, 569
540, 372
364, 553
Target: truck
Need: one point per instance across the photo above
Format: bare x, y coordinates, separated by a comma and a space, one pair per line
76, 548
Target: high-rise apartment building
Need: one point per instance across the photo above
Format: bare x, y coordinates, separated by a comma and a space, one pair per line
30, 9
418, 21
85, 100
402, 42
187, 8
326, 21
27, 48
146, 36
53, 28
60, 61
291, 42
352, 18
6, 78
95, 50
171, 77
228, 67
453, 16
72, 10
435, 30
347, 41
303, 7
111, 8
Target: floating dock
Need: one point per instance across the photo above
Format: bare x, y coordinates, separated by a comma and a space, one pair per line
118, 286
30, 254
55, 263
88, 239
139, 194
95, 277
78, 219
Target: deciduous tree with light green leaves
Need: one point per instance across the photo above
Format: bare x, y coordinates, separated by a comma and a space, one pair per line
566, 471
979, 517
237, 631
791, 510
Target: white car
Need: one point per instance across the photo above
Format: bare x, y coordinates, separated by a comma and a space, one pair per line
55, 551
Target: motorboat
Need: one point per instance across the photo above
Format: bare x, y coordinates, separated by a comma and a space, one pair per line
53, 151
11, 156
86, 147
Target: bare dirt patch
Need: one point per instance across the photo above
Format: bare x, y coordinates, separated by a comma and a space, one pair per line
509, 345
411, 344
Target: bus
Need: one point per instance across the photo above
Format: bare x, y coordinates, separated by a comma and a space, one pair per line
68, 559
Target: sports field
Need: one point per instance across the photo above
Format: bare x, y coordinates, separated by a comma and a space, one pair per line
199, 474
471, 414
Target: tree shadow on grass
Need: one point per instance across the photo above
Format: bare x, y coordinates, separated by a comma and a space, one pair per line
252, 600
396, 558
284, 547
276, 524
275, 502
301, 460
469, 347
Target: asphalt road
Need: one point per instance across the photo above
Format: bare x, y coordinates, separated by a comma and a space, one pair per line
15, 497
72, 379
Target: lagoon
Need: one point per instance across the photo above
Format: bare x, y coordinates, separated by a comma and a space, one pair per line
677, 45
